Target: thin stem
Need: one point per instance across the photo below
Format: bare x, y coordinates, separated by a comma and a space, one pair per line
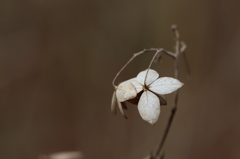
174, 109
130, 60
171, 54
174, 27
182, 51
151, 64
176, 74
178, 51
165, 133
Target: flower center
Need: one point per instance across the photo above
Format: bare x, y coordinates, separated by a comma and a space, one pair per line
145, 88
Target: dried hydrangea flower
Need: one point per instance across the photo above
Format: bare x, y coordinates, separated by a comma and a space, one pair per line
152, 86
148, 92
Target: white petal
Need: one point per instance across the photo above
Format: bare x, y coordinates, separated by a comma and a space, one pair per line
114, 103
151, 76
165, 85
149, 107
138, 86
121, 108
126, 91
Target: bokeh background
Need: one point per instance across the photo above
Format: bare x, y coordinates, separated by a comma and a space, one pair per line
58, 59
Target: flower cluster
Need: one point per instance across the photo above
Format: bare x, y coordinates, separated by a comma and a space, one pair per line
146, 90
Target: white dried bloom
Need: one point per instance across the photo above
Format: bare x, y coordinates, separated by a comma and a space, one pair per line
153, 90
123, 92
149, 104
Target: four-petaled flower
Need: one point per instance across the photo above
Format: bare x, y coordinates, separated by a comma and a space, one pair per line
151, 88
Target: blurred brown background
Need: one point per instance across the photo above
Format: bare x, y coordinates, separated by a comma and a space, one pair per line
58, 58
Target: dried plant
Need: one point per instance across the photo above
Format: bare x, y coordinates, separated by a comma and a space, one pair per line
147, 90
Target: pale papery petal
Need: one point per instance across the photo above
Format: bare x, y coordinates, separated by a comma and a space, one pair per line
165, 85
125, 91
114, 103
121, 108
151, 76
149, 107
138, 86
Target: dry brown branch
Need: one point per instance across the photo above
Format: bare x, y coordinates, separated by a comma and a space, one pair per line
178, 51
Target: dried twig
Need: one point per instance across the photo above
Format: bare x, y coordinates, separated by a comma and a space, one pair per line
177, 53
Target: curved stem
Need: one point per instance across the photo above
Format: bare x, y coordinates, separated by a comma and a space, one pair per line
113, 82
159, 51
130, 60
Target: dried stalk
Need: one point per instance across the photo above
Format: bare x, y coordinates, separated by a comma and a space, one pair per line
178, 52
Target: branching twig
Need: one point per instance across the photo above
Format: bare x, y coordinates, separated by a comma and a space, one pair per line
178, 51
